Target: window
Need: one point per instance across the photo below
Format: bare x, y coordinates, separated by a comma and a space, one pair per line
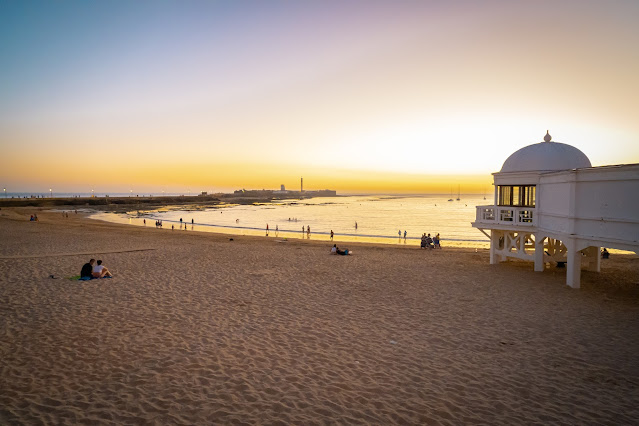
505, 195
528, 196
520, 195
516, 201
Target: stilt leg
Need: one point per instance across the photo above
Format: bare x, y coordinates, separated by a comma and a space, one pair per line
539, 253
594, 259
494, 244
573, 267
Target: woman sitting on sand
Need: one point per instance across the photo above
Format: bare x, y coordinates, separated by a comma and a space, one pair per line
100, 271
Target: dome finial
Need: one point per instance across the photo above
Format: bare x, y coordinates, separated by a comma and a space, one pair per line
547, 138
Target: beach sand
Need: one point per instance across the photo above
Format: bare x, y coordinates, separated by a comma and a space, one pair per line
198, 329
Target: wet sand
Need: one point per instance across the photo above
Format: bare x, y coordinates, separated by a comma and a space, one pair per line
198, 329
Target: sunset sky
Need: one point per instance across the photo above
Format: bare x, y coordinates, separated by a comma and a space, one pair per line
358, 96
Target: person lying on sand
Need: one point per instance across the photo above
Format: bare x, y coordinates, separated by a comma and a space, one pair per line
100, 271
336, 250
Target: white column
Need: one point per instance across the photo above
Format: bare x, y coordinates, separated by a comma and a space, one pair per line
594, 259
539, 253
573, 266
494, 241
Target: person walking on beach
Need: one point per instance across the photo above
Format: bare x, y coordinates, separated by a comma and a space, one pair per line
332, 234
277, 230
399, 233
404, 234
267, 229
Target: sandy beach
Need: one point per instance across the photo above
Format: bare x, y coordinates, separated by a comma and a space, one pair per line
197, 329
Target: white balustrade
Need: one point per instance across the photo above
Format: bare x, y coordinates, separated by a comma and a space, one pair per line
507, 215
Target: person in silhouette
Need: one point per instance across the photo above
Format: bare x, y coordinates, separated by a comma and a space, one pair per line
87, 269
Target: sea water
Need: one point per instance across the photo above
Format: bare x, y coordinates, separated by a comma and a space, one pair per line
365, 218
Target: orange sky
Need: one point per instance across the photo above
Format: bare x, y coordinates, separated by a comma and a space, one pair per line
361, 97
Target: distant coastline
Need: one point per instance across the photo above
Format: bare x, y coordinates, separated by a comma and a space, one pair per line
153, 201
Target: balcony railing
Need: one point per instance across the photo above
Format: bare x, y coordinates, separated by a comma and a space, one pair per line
506, 215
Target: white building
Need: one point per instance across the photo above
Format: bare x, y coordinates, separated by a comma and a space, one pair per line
551, 205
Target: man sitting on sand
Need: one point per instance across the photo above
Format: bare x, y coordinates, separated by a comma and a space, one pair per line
336, 250
100, 271
87, 269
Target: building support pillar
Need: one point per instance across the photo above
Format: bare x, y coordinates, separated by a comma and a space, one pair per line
539, 253
494, 243
594, 259
573, 266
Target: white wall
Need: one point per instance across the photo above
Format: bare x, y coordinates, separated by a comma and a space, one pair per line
599, 202
553, 205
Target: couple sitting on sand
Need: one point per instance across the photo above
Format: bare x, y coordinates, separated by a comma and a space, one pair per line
90, 271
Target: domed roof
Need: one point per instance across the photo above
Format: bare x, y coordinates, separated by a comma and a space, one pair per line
545, 157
